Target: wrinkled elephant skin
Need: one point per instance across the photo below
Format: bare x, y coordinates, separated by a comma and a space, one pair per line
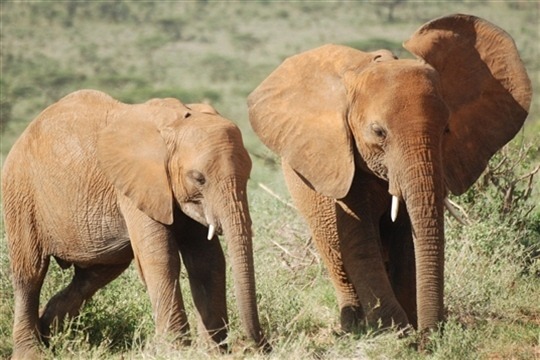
357, 129
95, 183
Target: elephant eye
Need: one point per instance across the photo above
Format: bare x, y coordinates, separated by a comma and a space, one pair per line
378, 130
197, 177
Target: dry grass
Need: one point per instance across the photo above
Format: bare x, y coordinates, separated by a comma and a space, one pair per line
220, 52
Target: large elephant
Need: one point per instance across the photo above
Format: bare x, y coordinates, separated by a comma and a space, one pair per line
359, 131
94, 183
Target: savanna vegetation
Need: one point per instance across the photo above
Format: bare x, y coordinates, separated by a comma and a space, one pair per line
218, 52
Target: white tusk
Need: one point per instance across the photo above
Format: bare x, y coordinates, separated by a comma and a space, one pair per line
453, 210
211, 231
395, 208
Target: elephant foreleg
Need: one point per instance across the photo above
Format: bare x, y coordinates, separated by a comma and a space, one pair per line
205, 265
85, 283
158, 261
327, 242
320, 214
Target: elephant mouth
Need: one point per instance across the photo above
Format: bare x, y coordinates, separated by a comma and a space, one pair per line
197, 213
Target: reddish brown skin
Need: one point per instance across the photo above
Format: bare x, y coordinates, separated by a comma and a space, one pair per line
95, 183
354, 128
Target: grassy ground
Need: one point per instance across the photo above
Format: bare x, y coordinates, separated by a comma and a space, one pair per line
219, 52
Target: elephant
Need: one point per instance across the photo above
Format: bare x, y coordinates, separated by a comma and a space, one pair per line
371, 145
94, 183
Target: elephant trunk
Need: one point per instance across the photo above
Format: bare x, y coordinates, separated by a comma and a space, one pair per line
424, 194
236, 224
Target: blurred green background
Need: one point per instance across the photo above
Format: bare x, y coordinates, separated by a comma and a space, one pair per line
204, 50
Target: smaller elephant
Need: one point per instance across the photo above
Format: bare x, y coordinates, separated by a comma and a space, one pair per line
94, 183
363, 134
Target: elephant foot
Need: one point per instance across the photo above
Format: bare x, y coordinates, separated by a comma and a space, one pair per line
172, 341
45, 330
391, 316
264, 346
27, 353
52, 317
424, 339
352, 318
183, 339
216, 340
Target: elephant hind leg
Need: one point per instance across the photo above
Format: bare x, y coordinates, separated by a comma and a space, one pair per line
397, 242
29, 266
205, 265
85, 283
26, 290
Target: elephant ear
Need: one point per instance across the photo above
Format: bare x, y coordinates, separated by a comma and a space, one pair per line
300, 113
133, 157
485, 85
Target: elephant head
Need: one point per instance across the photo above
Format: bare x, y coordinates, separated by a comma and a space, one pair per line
425, 126
187, 157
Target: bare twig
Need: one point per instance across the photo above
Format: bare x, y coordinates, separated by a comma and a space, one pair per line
452, 207
529, 175
285, 250
494, 169
269, 191
509, 195
530, 182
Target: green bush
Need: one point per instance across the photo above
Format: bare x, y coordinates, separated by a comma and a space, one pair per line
506, 197
490, 261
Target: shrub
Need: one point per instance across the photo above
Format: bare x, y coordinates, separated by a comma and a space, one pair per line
490, 261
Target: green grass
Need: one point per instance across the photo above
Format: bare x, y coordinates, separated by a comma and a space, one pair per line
220, 52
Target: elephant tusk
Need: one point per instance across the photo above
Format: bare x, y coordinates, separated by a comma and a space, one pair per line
453, 210
211, 231
395, 208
